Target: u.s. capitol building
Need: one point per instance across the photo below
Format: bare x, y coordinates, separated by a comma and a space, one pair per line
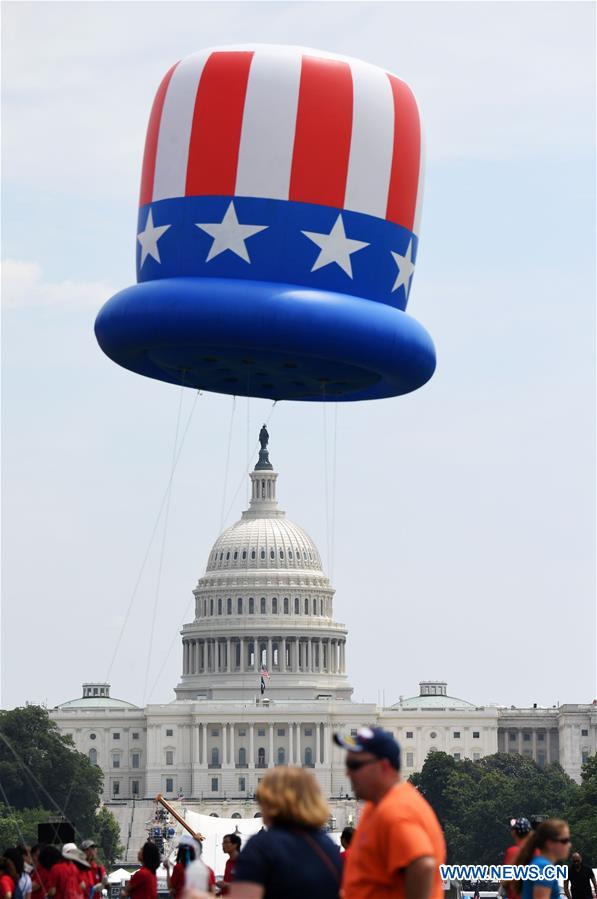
265, 604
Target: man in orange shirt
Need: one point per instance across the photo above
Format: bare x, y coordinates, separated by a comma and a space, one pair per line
398, 845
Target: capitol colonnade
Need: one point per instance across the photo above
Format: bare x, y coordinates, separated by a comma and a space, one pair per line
247, 654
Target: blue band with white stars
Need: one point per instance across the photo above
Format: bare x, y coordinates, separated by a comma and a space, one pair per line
276, 241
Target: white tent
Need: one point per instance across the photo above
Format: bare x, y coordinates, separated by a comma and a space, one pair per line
119, 875
213, 829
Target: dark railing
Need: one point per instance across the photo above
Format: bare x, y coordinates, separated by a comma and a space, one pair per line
214, 766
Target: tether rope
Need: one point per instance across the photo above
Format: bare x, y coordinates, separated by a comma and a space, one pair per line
151, 539
227, 464
162, 547
334, 478
28, 771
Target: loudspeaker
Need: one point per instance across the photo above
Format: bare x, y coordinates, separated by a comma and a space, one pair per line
55, 833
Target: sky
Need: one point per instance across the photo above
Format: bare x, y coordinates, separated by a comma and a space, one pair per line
457, 523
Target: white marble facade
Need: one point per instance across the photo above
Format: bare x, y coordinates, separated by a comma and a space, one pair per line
264, 601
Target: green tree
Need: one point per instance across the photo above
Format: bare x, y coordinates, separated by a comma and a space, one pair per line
41, 768
107, 837
583, 813
475, 800
20, 826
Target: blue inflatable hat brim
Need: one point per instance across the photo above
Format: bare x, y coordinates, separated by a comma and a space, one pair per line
274, 341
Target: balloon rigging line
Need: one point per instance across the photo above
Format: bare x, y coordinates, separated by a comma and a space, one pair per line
247, 467
334, 478
171, 647
28, 771
248, 438
150, 543
163, 546
325, 479
227, 464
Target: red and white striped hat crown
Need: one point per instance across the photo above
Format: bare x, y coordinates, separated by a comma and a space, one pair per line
286, 123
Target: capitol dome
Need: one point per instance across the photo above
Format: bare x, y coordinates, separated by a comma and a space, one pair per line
270, 543
264, 604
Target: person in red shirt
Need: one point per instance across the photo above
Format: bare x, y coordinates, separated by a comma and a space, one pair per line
67, 876
187, 853
143, 884
345, 839
97, 879
231, 844
8, 878
520, 828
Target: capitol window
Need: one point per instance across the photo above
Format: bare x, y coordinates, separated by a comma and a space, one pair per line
262, 554
409, 759
239, 605
135, 758
221, 556
290, 554
308, 731
526, 738
409, 734
242, 732
227, 556
252, 553
584, 732
244, 553
274, 606
251, 606
242, 786
306, 606
286, 605
261, 732
433, 735
235, 555
456, 756
93, 756
219, 606
169, 733
229, 606
211, 607
281, 553
272, 554
296, 606
115, 760
92, 736
476, 734
115, 788
456, 734
263, 605
214, 784
215, 732
116, 736
135, 736
169, 757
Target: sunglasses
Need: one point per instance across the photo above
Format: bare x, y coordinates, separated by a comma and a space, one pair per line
355, 764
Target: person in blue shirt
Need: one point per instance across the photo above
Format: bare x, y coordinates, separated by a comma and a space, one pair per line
548, 845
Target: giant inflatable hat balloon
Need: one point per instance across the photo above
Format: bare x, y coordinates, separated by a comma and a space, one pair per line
278, 231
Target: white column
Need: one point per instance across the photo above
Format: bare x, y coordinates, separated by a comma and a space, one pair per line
317, 744
231, 746
327, 744
282, 652
291, 744
271, 746
204, 744
252, 746
299, 758
270, 657
224, 745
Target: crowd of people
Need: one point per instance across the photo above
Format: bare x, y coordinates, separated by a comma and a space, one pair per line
46, 872
394, 852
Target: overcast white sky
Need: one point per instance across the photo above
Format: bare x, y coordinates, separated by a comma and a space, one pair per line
464, 538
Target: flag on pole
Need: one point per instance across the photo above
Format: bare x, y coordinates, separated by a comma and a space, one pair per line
264, 676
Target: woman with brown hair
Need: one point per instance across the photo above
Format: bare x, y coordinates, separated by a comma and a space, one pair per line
552, 840
293, 858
